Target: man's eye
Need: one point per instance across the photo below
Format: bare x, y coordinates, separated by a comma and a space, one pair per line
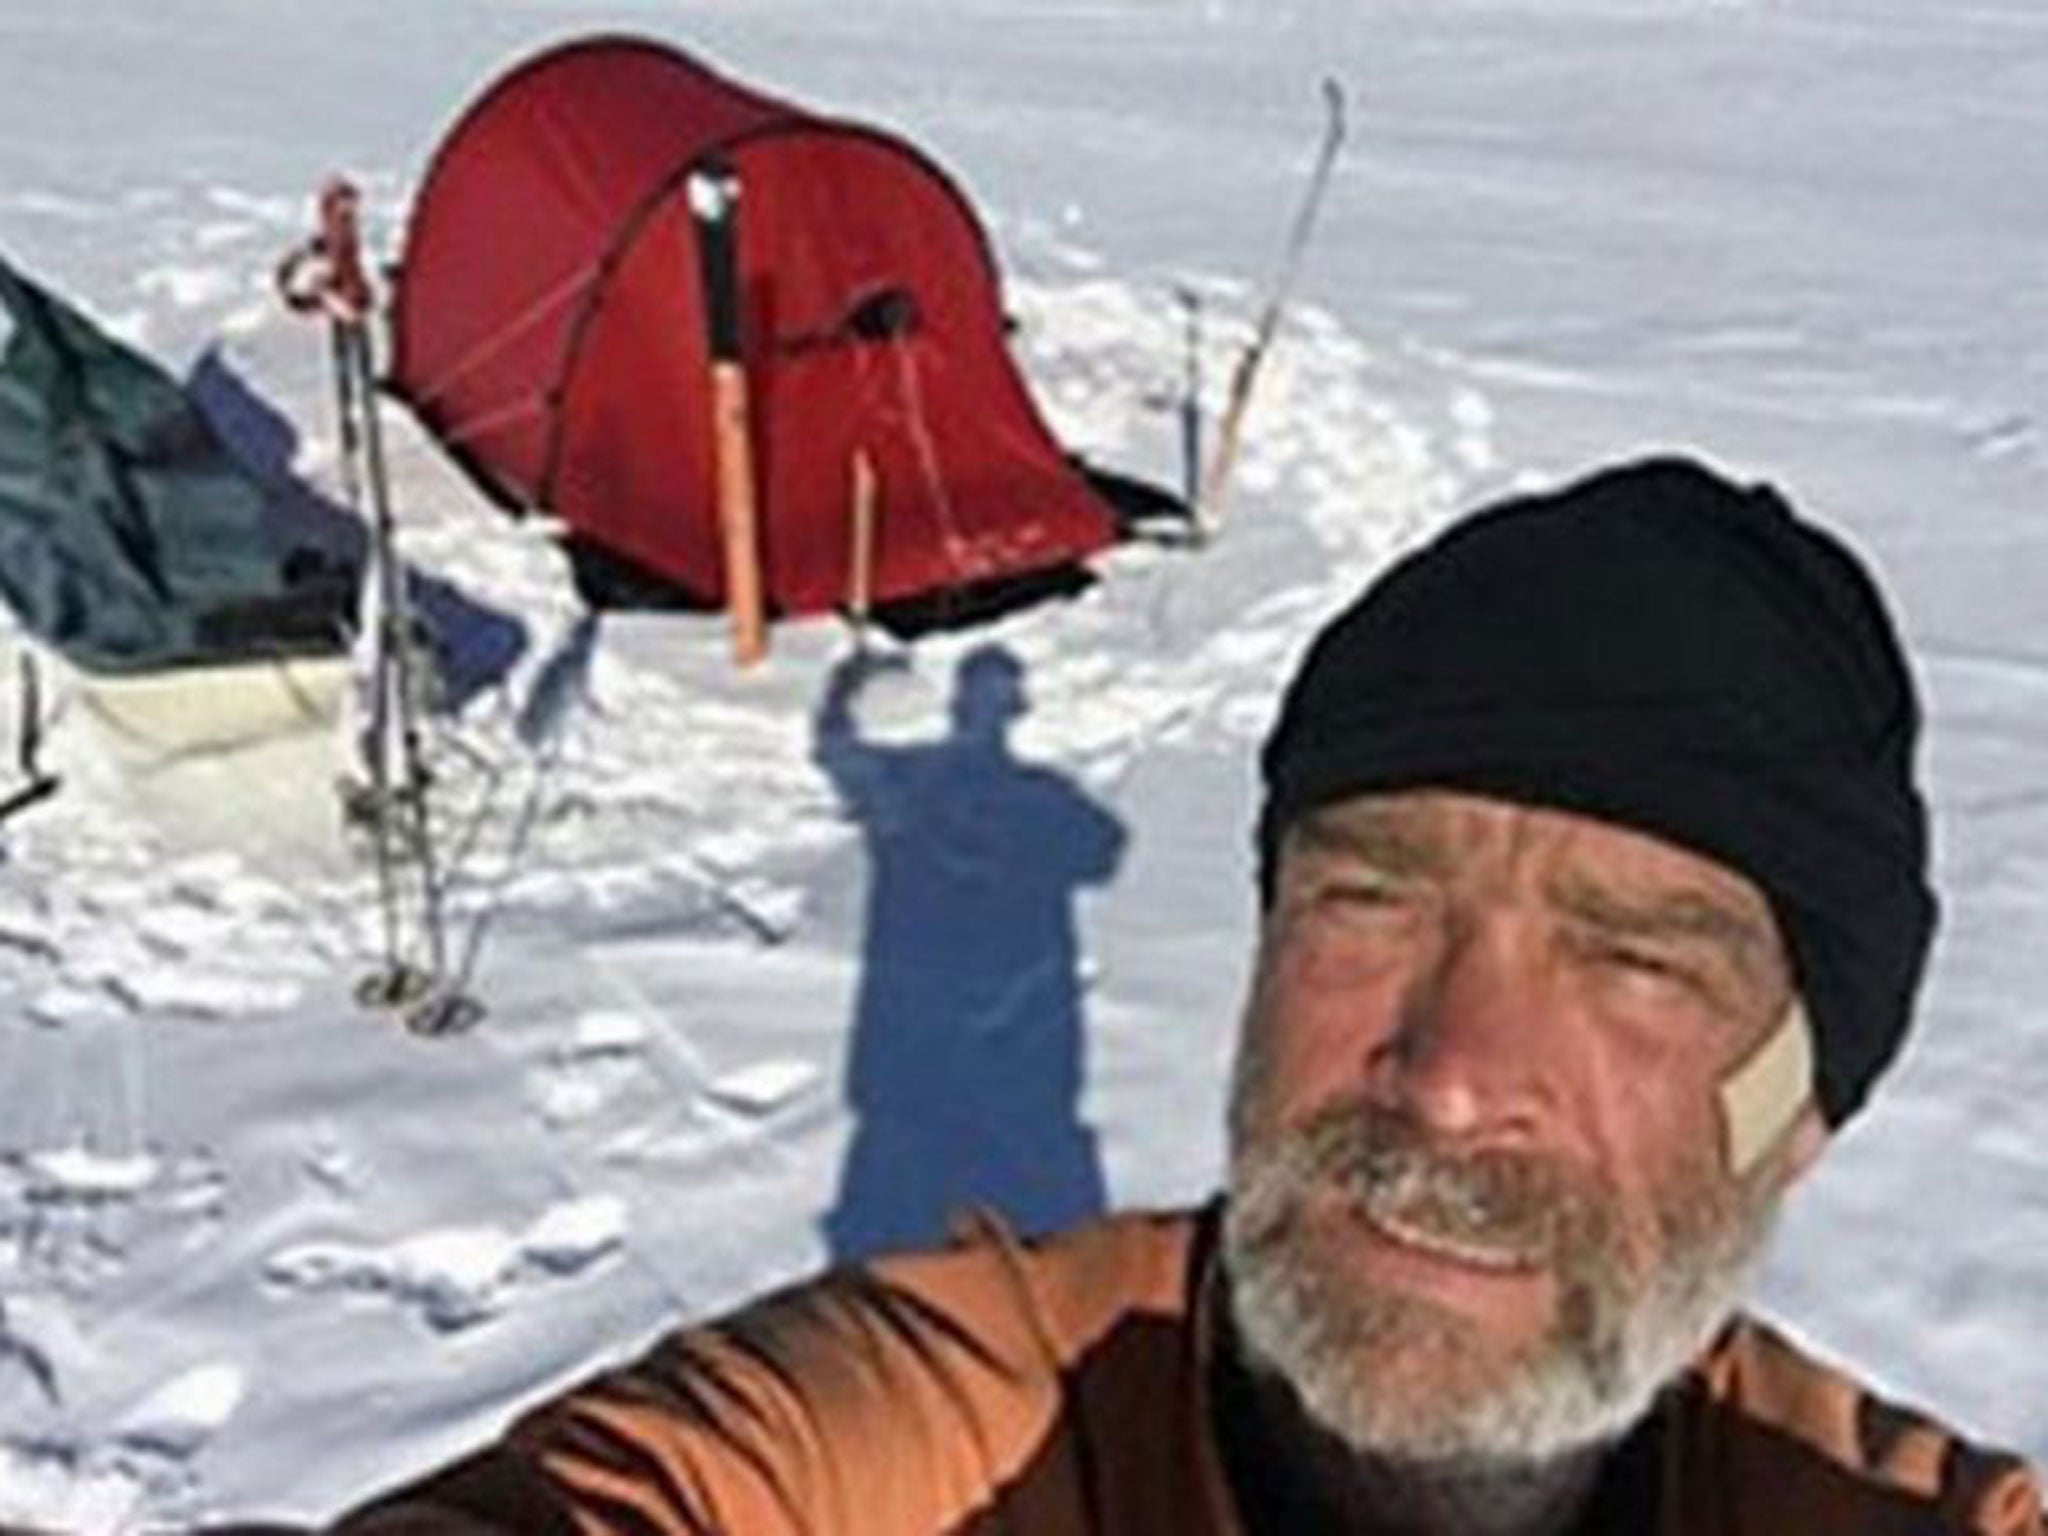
1639, 961
1364, 893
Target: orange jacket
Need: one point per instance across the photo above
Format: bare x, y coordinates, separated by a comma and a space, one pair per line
1059, 1390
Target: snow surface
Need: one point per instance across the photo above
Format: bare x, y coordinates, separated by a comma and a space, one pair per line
262, 1252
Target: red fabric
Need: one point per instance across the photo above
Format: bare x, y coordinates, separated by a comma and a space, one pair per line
550, 329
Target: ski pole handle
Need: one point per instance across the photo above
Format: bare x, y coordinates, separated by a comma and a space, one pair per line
325, 274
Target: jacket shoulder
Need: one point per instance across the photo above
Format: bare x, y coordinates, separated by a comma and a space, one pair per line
1069, 1289
1843, 1436
897, 1396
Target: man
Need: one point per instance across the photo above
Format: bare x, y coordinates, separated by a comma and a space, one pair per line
1593, 872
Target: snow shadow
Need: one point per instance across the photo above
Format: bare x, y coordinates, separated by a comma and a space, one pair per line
964, 1072
475, 647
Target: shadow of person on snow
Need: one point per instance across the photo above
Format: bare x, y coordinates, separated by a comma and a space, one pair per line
964, 1070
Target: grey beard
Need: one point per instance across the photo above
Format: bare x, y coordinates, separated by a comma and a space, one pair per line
1612, 1346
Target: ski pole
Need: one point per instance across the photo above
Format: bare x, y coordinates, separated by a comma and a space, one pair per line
714, 190
1230, 427
324, 276
327, 275
396, 651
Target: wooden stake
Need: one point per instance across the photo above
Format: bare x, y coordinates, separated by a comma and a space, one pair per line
860, 569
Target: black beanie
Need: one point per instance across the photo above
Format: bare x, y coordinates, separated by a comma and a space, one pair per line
1659, 648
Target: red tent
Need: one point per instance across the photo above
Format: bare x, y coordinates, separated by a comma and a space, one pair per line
550, 330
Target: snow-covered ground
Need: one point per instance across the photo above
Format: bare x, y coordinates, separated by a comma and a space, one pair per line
261, 1251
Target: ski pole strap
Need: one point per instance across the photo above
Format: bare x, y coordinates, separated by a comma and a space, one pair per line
325, 275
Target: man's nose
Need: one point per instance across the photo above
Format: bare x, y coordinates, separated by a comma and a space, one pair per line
1476, 1048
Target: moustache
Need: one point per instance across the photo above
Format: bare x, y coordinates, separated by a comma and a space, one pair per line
1493, 1207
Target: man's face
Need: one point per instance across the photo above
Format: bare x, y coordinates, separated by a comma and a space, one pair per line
1479, 1205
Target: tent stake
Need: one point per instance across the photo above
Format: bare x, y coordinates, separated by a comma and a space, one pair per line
860, 568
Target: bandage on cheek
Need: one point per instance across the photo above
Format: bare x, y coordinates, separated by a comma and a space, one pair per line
1762, 1098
